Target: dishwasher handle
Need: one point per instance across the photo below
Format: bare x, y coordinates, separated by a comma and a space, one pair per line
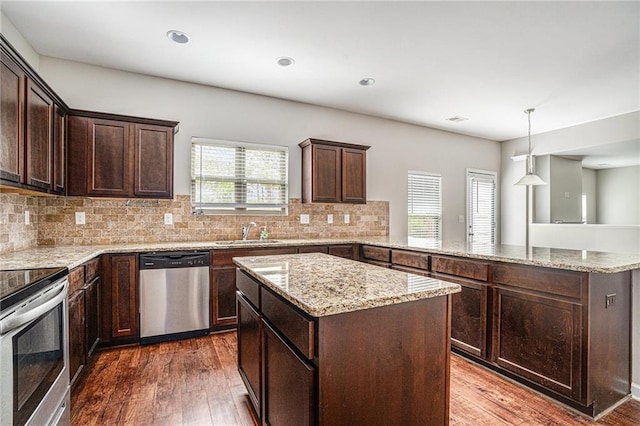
174, 260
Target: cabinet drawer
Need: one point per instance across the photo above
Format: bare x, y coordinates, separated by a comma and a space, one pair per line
557, 282
76, 279
295, 327
313, 249
225, 257
460, 268
249, 287
410, 259
92, 269
345, 251
376, 253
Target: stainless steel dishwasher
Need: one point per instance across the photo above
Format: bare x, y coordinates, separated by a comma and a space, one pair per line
174, 295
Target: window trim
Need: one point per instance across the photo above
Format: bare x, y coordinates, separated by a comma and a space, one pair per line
239, 179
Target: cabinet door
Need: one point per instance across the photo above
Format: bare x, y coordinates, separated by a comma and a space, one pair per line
223, 296
469, 318
59, 142
109, 168
124, 296
249, 352
539, 338
92, 314
289, 384
12, 80
327, 174
77, 350
39, 137
354, 184
153, 169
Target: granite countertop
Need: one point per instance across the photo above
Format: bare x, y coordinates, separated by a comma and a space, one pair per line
574, 260
322, 285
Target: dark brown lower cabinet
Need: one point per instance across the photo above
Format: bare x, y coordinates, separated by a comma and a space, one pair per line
77, 348
469, 318
289, 383
540, 338
223, 300
119, 302
92, 314
386, 365
249, 350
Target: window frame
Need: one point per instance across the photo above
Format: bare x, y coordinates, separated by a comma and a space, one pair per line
240, 181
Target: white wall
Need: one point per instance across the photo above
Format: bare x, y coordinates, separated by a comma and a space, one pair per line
589, 185
16, 39
619, 190
224, 114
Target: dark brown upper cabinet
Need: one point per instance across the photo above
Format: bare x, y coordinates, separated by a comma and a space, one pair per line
32, 127
333, 172
119, 156
12, 91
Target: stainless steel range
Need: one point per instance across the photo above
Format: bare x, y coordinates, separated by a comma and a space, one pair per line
34, 347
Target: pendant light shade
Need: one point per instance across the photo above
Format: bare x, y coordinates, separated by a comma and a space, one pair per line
530, 179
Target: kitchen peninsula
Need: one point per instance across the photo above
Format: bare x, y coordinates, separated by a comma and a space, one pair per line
359, 344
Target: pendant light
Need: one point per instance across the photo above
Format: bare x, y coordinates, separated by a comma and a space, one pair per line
530, 179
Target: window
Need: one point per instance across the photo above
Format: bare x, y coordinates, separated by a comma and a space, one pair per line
481, 206
425, 207
235, 178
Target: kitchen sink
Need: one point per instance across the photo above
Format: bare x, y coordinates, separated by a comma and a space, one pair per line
247, 242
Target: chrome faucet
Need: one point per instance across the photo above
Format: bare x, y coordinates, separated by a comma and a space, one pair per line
246, 228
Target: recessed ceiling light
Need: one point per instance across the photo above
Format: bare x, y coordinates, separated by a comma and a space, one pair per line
367, 82
457, 119
285, 61
178, 36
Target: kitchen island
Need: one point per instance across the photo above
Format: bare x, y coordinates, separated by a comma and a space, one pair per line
325, 340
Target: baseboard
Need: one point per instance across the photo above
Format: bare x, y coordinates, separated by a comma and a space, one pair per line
635, 391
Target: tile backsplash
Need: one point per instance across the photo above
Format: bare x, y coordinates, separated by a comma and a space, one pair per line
112, 221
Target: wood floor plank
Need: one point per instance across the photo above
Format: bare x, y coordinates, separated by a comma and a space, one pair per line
196, 382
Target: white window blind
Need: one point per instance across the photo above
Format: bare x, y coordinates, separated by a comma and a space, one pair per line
235, 177
425, 206
481, 207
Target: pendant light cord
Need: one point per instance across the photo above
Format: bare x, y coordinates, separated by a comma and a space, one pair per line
530, 159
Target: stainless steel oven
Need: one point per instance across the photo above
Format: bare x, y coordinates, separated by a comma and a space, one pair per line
34, 348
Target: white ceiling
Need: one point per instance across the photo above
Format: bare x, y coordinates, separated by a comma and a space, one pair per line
574, 62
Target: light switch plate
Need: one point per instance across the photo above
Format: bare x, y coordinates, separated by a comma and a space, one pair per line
346, 218
460, 218
168, 218
80, 218
304, 218
27, 217
329, 218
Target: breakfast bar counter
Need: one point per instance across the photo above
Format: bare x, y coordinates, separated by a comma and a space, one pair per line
325, 340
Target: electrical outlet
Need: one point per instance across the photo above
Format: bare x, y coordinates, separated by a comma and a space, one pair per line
80, 218
346, 218
27, 217
304, 218
168, 218
329, 218
460, 218
610, 300
567, 195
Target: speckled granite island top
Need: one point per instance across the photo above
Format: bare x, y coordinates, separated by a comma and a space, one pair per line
322, 285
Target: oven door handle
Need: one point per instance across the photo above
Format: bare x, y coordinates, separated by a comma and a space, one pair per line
26, 314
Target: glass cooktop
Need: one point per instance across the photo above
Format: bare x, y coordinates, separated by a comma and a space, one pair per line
17, 285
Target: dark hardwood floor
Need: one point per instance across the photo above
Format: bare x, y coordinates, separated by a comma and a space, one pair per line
195, 382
